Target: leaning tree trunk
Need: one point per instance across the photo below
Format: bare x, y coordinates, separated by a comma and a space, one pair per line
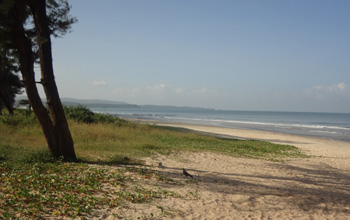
65, 144
25, 53
55, 128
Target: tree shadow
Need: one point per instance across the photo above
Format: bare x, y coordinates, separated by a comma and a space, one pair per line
310, 187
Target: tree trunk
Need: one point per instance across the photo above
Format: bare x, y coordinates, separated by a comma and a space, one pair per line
4, 97
5, 86
65, 142
25, 52
55, 128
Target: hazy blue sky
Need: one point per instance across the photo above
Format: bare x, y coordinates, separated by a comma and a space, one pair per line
241, 55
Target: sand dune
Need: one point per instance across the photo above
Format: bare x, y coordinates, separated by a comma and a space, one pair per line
239, 188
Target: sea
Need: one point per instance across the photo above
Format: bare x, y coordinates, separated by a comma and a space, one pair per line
334, 126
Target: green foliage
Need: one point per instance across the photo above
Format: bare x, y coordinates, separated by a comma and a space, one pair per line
21, 117
103, 118
79, 114
59, 23
83, 114
10, 83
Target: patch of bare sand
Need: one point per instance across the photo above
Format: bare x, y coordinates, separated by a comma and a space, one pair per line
238, 188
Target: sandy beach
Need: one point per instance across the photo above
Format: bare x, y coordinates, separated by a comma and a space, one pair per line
239, 188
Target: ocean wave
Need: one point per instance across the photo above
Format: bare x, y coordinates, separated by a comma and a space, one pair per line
327, 132
270, 124
328, 125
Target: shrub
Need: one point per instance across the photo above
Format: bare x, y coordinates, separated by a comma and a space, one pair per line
102, 118
79, 113
83, 114
21, 117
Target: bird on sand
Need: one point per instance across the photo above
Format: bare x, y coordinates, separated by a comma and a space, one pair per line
185, 173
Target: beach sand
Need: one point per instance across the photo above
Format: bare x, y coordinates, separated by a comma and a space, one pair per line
240, 188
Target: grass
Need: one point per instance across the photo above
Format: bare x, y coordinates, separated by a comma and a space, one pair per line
107, 142
112, 143
34, 185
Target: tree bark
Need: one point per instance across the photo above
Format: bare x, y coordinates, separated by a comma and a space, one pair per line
4, 97
25, 52
55, 128
65, 143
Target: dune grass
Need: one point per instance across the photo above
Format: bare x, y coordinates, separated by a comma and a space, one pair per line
111, 142
34, 185
107, 142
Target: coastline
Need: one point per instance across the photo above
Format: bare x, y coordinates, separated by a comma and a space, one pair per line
314, 146
333, 126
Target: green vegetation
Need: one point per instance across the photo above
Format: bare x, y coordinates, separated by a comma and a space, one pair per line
34, 185
109, 139
39, 190
81, 113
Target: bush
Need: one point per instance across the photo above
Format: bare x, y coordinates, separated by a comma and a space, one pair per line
102, 118
83, 114
21, 117
79, 113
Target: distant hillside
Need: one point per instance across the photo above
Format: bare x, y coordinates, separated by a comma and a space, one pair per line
168, 107
90, 103
97, 103
100, 103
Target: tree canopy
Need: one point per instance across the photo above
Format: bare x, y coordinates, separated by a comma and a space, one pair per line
10, 83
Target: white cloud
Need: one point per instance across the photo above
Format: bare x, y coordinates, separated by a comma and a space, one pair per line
340, 86
99, 83
158, 88
334, 87
180, 91
201, 91
324, 92
165, 94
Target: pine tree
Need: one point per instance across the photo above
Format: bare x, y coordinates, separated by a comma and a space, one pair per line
26, 29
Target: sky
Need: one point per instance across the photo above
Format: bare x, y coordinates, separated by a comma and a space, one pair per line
271, 55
